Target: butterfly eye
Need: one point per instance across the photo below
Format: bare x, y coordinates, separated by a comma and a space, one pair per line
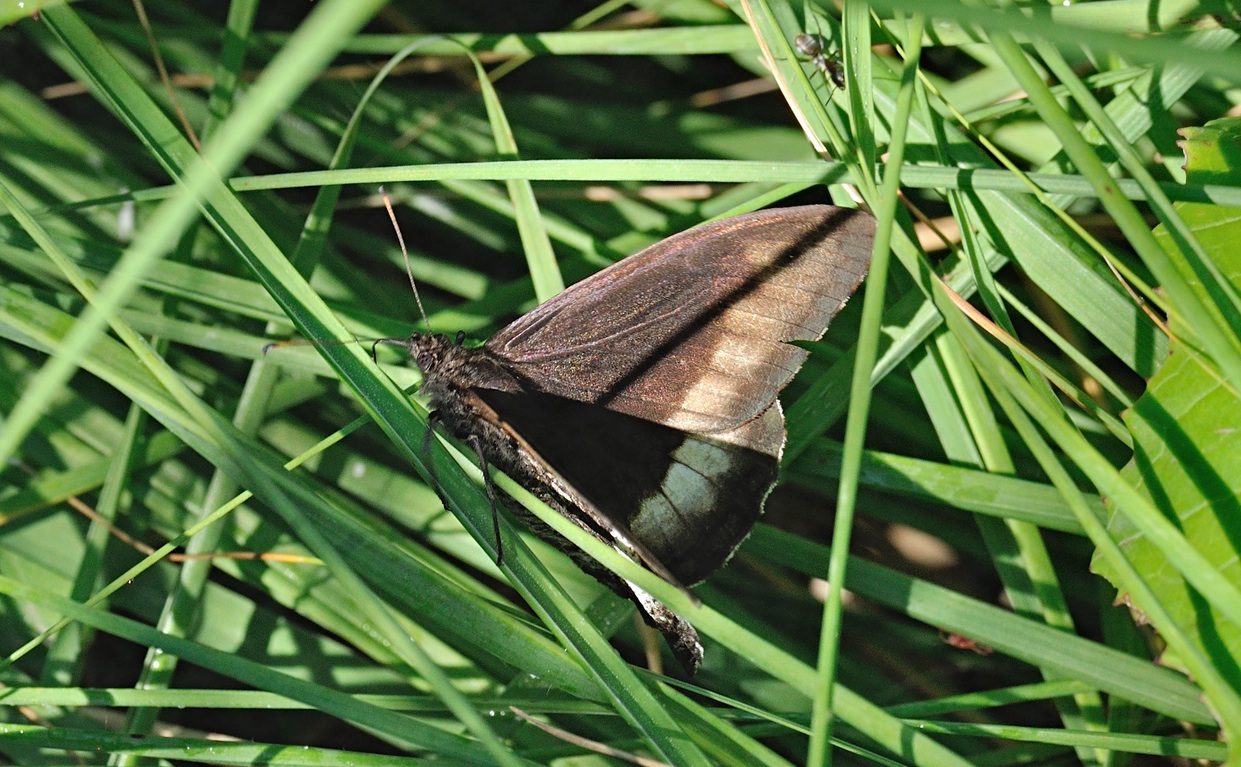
425, 351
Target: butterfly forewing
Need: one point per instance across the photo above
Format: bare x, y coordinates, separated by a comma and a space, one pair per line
692, 331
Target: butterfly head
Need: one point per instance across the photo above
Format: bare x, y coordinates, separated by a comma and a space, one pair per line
428, 350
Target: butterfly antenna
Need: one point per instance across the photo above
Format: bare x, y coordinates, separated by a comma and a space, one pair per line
409, 269
303, 342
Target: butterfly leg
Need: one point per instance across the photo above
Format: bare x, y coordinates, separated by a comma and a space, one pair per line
435, 418
477, 443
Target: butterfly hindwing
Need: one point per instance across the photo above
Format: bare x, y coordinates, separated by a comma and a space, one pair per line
687, 499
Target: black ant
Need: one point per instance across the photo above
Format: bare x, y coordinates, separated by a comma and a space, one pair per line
811, 46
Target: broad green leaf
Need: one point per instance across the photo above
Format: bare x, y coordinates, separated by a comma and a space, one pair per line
1187, 429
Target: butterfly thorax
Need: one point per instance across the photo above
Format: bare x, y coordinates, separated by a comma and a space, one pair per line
448, 368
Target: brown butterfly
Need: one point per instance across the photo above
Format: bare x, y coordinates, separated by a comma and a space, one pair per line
641, 402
